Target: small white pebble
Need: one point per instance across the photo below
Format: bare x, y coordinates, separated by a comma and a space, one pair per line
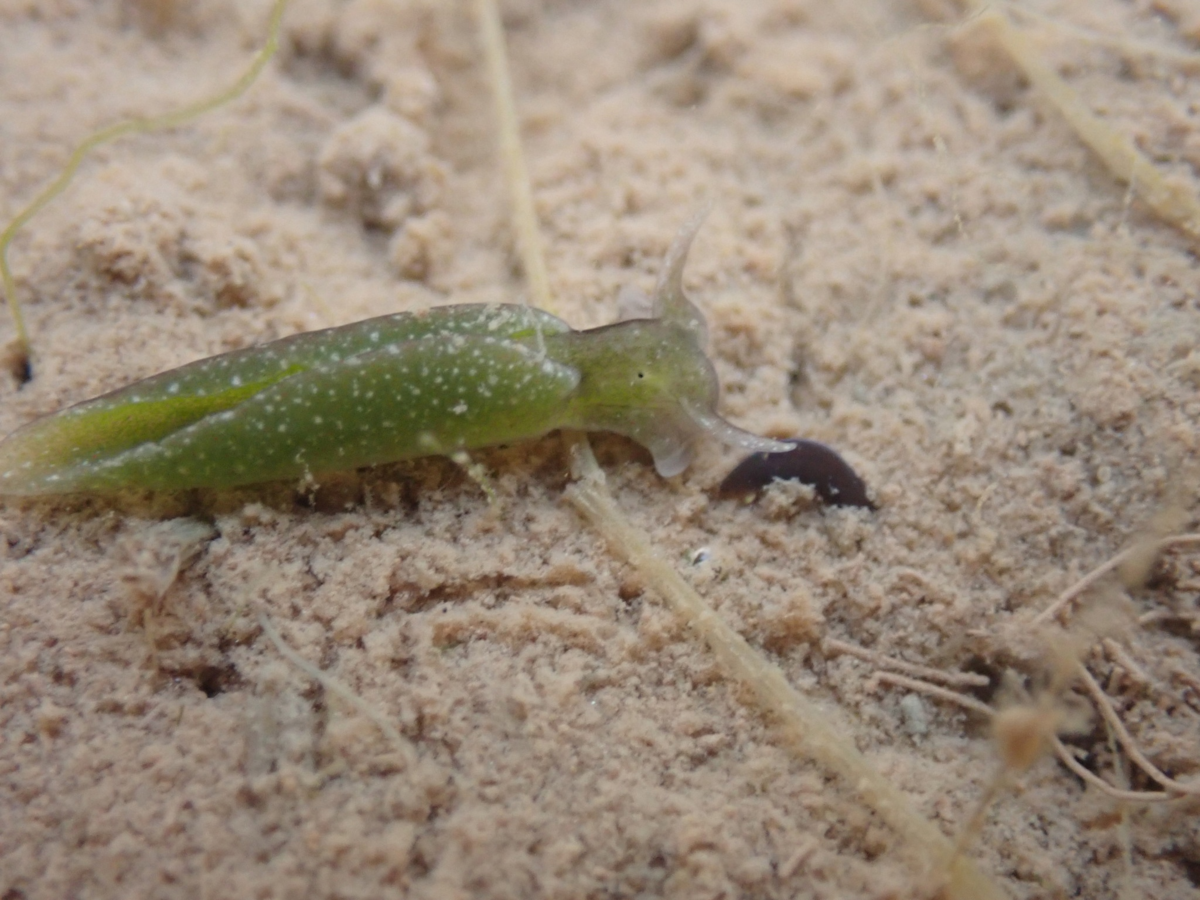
915, 714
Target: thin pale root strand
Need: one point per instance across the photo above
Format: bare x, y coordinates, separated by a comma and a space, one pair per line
834, 647
337, 689
933, 690
1126, 740
140, 125
1171, 200
516, 172
1060, 749
1124, 45
1125, 556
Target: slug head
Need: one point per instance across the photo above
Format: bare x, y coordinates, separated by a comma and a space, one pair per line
650, 381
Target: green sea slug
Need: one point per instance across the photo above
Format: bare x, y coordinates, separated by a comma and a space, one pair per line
390, 388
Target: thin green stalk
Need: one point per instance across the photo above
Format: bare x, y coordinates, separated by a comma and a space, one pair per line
139, 125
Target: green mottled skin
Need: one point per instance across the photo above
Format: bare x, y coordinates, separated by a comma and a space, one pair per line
385, 389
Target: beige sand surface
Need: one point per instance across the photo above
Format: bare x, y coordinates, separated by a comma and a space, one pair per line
910, 258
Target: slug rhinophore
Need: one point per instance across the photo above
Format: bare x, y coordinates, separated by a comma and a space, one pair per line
385, 389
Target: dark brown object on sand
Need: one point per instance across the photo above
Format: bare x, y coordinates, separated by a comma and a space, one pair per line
808, 462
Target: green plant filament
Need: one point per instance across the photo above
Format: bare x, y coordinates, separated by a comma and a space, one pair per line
140, 125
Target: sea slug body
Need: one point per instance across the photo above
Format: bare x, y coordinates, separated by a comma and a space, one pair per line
385, 389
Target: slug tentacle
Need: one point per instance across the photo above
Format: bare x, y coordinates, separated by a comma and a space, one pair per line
725, 432
671, 304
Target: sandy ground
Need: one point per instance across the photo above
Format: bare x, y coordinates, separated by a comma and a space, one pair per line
910, 258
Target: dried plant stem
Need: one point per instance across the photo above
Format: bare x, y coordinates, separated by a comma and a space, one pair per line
833, 647
1173, 201
1125, 739
337, 689
1121, 658
1068, 759
933, 690
1070, 594
1125, 45
803, 724
1060, 749
516, 172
